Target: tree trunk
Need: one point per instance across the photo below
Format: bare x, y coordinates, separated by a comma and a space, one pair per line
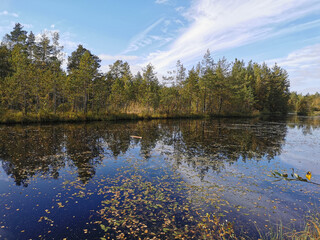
85, 98
220, 105
204, 100
24, 103
85, 101
55, 101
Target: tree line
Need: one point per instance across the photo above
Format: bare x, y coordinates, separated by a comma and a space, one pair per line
33, 80
305, 104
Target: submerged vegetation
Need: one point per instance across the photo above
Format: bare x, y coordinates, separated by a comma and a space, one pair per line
160, 179
34, 87
137, 207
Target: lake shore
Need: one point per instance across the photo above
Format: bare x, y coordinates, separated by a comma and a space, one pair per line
20, 118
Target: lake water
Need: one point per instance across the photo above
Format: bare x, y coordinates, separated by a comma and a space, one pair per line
180, 178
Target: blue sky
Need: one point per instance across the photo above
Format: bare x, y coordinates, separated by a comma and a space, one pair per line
164, 31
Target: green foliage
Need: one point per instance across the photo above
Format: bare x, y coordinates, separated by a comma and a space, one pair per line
304, 105
16, 36
121, 80
32, 81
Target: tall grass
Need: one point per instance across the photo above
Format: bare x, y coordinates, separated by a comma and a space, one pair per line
11, 117
311, 230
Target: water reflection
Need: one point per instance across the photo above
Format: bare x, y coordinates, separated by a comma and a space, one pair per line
25, 151
211, 144
202, 144
306, 124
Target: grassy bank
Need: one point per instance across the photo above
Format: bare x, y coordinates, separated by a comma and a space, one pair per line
11, 117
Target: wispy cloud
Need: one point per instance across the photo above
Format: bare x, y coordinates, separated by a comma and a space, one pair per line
117, 57
143, 38
7, 26
161, 1
27, 25
66, 40
6, 13
303, 66
180, 9
225, 24
110, 59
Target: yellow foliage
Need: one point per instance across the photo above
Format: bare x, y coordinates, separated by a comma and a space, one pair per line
308, 175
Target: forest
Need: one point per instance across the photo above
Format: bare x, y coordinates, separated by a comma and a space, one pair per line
34, 85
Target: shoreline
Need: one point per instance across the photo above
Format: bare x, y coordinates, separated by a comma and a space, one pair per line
36, 118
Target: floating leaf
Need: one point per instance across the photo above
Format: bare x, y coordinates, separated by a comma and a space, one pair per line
308, 175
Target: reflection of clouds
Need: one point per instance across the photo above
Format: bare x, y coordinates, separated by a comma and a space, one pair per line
4, 178
236, 188
302, 151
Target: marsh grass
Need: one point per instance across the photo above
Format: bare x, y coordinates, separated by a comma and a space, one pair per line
12, 117
311, 230
275, 232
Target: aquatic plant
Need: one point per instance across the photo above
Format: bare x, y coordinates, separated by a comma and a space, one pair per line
139, 207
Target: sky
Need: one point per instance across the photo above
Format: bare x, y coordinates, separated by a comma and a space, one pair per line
160, 32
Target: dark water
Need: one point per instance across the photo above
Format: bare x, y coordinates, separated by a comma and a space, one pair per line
79, 181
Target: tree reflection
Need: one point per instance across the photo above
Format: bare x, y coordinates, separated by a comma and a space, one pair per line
201, 144
306, 124
205, 145
84, 148
26, 151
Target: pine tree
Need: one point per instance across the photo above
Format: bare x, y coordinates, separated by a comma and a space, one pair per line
86, 74
16, 36
151, 88
78, 95
19, 85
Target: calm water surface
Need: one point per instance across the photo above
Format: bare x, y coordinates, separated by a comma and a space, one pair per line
78, 181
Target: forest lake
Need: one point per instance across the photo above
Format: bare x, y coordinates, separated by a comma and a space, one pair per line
158, 178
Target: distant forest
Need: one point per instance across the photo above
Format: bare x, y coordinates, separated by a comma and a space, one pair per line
33, 81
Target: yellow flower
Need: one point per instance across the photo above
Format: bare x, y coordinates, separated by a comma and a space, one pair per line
308, 176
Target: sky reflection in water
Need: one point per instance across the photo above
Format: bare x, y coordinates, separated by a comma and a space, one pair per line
51, 176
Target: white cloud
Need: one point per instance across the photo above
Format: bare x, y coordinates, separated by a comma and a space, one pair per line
66, 41
142, 39
225, 24
7, 26
110, 59
117, 57
6, 13
52, 26
134, 68
161, 1
179, 9
27, 25
303, 67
